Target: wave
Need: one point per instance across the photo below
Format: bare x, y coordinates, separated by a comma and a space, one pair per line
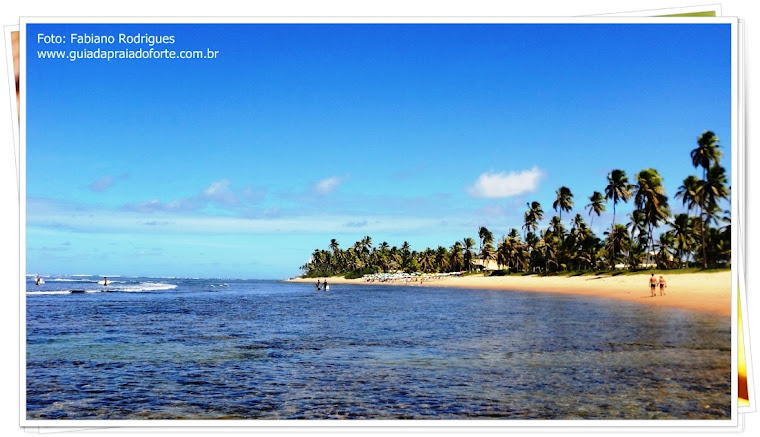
145, 286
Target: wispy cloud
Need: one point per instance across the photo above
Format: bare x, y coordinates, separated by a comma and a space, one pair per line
359, 224
503, 184
218, 193
72, 217
106, 182
327, 186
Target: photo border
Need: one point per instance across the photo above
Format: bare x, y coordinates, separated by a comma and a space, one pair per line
684, 424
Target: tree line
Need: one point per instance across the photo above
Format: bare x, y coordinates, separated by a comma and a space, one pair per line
650, 234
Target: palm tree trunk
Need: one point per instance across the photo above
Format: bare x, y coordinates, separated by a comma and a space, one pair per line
612, 255
704, 242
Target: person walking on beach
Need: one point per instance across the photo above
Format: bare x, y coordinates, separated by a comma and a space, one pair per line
652, 285
663, 284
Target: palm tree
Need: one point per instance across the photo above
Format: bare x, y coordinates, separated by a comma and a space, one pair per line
504, 253
486, 245
427, 260
486, 254
683, 235
707, 152
617, 189
366, 244
549, 243
687, 192
650, 197
617, 240
468, 244
663, 257
442, 258
596, 206
406, 255
637, 230
533, 215
709, 192
555, 225
485, 236
705, 155
564, 201
456, 257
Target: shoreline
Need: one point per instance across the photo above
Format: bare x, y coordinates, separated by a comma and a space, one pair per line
708, 292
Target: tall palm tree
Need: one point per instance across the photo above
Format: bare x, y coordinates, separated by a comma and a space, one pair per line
468, 244
650, 197
617, 241
639, 235
486, 254
366, 244
596, 206
687, 192
442, 259
456, 258
617, 189
564, 201
485, 236
705, 155
486, 245
709, 192
663, 256
682, 233
504, 253
707, 152
550, 245
533, 215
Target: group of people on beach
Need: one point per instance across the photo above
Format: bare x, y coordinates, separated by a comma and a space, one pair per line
654, 282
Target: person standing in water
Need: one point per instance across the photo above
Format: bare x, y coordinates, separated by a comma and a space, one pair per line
319, 285
105, 280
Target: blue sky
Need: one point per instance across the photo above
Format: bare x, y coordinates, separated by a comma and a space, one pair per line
242, 165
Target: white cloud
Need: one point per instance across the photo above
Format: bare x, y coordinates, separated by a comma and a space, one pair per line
502, 184
327, 186
220, 192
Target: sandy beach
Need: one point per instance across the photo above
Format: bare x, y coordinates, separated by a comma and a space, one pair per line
707, 292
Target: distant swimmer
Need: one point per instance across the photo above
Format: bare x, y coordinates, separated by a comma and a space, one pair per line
663, 284
105, 280
37, 282
652, 285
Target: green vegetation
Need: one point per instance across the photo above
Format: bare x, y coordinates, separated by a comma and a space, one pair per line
699, 239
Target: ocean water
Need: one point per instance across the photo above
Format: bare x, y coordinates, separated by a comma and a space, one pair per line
169, 348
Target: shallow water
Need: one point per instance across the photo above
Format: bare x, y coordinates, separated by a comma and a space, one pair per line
212, 349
